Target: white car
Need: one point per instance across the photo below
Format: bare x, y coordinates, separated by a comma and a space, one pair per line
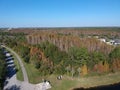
9, 58
10, 65
11, 61
7, 54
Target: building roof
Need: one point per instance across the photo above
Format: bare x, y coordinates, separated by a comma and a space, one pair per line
117, 40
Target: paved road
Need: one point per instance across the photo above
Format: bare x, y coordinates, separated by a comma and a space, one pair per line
21, 64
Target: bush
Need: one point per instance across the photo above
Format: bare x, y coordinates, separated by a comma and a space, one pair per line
27, 58
37, 65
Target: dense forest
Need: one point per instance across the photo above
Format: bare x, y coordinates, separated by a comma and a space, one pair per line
69, 52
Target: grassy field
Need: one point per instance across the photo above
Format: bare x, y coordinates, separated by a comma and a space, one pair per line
33, 74
68, 83
19, 71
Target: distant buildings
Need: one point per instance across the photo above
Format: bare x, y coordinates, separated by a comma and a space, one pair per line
102, 40
9, 29
110, 41
117, 42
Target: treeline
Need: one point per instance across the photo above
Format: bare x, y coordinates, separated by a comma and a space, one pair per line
70, 30
5, 33
78, 61
7, 37
65, 42
2, 69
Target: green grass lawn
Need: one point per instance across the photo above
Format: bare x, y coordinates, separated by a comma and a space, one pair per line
68, 83
33, 73
19, 71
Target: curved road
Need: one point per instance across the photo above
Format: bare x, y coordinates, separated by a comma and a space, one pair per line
21, 64
14, 84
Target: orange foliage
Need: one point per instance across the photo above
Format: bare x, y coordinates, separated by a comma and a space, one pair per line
41, 56
84, 70
106, 67
101, 67
116, 64
35, 51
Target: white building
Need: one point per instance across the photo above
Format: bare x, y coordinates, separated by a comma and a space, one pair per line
117, 42
102, 40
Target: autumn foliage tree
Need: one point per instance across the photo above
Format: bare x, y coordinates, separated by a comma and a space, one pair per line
115, 58
67, 51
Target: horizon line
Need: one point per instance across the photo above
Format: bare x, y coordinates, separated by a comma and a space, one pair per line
65, 27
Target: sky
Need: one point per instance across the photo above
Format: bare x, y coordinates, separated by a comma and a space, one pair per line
59, 13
